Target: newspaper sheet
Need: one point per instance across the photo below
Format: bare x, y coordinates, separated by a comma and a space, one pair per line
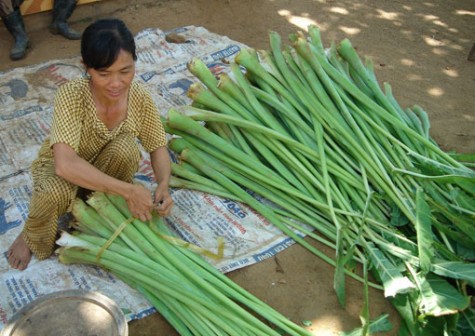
26, 96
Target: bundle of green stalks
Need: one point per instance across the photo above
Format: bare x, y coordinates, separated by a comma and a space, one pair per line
311, 131
188, 291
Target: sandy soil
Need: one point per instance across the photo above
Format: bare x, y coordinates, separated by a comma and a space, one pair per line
419, 47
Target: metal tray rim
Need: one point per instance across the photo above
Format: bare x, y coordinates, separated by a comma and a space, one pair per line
91, 296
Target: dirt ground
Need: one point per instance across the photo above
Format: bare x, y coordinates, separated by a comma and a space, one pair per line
419, 47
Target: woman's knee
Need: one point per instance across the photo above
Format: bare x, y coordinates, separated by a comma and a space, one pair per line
53, 194
121, 156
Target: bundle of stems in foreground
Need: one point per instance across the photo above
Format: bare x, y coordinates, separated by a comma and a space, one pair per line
336, 157
189, 292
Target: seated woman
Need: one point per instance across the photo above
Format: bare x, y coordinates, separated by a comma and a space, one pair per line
93, 145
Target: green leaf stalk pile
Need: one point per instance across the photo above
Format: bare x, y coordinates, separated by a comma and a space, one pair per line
311, 130
189, 292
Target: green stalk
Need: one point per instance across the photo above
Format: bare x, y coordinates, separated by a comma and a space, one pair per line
168, 310
258, 111
346, 50
268, 59
248, 59
293, 83
200, 70
89, 218
216, 189
214, 312
108, 210
262, 174
256, 205
168, 253
316, 39
286, 110
365, 152
294, 68
179, 144
227, 85
237, 138
379, 143
278, 192
205, 97
349, 54
339, 277
321, 99
288, 175
179, 170
285, 190
204, 115
326, 103
186, 124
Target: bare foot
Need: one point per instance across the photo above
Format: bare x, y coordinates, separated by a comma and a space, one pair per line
19, 254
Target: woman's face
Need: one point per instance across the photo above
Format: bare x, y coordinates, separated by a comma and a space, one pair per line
113, 83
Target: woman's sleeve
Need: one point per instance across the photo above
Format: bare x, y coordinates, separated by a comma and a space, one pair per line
66, 124
152, 134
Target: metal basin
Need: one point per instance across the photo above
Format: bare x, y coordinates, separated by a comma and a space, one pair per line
68, 313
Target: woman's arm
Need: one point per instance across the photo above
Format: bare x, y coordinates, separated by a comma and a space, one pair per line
78, 171
161, 166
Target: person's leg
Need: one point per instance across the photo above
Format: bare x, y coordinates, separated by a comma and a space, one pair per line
120, 158
62, 10
7, 6
13, 21
51, 198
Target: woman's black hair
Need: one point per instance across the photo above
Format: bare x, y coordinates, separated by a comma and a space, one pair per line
102, 42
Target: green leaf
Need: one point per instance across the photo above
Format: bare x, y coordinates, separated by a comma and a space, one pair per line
436, 326
466, 325
404, 331
463, 177
344, 261
463, 158
380, 324
364, 315
462, 199
435, 168
404, 305
464, 252
424, 232
439, 298
398, 218
393, 281
455, 270
445, 226
463, 223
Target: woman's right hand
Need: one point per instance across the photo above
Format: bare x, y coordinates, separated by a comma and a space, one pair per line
140, 202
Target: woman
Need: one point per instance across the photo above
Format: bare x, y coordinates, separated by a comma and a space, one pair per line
93, 142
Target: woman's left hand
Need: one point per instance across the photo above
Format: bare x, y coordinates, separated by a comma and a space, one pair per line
163, 201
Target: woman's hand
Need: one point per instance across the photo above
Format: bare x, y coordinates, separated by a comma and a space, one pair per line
163, 200
140, 202
162, 169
